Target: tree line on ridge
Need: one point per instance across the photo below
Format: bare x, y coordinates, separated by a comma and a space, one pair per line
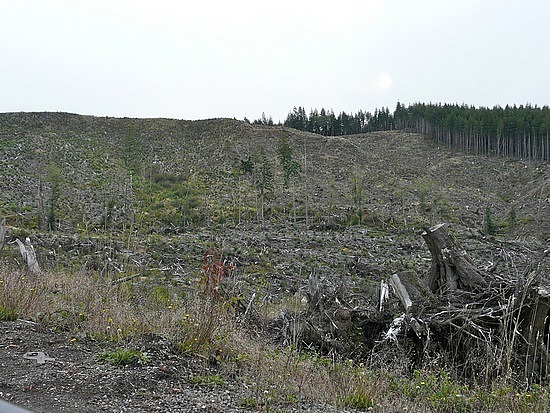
513, 131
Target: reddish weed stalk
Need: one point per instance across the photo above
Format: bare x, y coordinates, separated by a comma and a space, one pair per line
215, 269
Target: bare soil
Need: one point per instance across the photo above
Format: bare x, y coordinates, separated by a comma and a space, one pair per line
75, 381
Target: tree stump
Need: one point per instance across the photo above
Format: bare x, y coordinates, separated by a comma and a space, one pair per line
28, 254
451, 268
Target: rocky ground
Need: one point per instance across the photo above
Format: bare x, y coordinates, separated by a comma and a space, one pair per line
71, 379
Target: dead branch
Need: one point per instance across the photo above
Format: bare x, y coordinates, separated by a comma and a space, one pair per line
2, 234
124, 279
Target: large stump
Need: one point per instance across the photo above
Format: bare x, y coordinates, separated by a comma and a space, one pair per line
481, 324
451, 268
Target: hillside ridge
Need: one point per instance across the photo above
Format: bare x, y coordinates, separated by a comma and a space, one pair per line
103, 151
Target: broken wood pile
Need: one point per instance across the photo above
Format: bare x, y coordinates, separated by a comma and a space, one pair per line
484, 325
478, 323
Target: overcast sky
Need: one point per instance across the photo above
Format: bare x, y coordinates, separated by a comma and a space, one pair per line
205, 58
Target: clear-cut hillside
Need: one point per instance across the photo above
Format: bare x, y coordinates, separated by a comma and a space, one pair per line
173, 173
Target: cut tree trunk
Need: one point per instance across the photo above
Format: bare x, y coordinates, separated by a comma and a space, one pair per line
451, 268
28, 254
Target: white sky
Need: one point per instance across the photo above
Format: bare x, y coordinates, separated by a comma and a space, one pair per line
205, 58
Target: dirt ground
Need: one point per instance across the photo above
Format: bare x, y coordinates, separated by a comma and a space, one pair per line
71, 379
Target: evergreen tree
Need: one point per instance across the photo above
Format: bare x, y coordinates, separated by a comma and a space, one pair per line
289, 165
514, 131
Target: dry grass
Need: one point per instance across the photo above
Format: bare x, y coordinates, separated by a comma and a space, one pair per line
84, 305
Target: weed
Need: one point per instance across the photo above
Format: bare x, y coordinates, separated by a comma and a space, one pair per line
209, 380
123, 357
357, 400
250, 402
200, 330
18, 295
215, 270
8, 314
438, 391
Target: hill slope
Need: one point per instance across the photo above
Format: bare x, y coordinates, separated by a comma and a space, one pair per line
71, 166
118, 194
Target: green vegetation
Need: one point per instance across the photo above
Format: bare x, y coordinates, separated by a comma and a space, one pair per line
492, 227
123, 357
489, 226
54, 177
169, 200
512, 218
291, 169
210, 380
263, 181
17, 296
8, 314
357, 197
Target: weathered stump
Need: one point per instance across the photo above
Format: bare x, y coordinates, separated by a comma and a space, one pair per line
473, 317
28, 254
451, 267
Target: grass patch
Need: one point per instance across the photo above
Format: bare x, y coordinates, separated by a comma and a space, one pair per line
209, 380
8, 314
19, 295
123, 357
